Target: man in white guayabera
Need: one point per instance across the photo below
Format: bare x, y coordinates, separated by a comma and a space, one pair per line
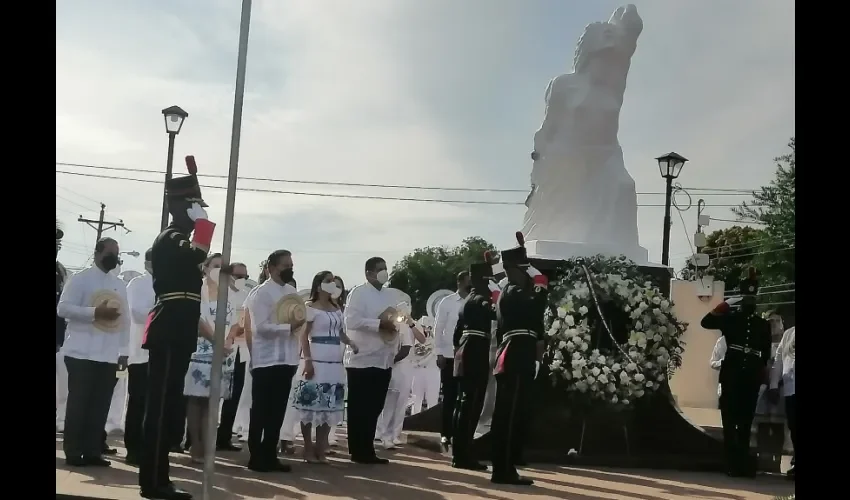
581, 191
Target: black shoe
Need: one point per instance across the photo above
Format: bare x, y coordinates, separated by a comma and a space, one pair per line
515, 480
75, 461
97, 461
132, 459
279, 466
445, 443
109, 451
227, 447
520, 463
791, 474
469, 465
169, 492
176, 449
257, 466
370, 460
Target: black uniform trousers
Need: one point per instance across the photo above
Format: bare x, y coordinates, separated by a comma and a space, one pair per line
791, 419
509, 425
449, 386
367, 391
166, 373
90, 387
137, 388
470, 403
738, 399
269, 398
229, 406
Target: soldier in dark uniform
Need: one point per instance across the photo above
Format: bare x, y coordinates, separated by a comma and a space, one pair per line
472, 362
519, 333
742, 372
60, 283
172, 330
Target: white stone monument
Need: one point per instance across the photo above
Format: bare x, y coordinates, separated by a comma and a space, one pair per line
582, 199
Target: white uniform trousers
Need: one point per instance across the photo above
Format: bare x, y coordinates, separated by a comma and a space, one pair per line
426, 386
61, 390
243, 410
291, 427
115, 418
391, 421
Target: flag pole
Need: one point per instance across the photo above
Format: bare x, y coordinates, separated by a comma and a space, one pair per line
224, 279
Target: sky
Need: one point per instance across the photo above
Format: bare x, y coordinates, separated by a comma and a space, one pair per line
405, 92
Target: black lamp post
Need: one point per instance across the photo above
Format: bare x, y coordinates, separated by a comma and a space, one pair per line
670, 166
174, 117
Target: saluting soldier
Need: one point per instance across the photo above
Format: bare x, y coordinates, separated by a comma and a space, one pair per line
743, 371
171, 332
472, 361
519, 333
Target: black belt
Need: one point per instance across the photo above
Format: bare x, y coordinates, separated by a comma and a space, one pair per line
474, 333
745, 350
517, 333
195, 297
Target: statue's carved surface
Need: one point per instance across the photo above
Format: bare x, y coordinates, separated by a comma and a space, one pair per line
581, 191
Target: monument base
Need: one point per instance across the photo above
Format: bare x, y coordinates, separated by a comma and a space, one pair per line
563, 250
655, 434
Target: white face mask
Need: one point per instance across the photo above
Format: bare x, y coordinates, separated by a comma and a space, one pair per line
331, 289
382, 277
214, 274
239, 284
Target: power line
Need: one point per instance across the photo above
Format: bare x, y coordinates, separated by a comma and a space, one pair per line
739, 221
336, 195
72, 202
356, 184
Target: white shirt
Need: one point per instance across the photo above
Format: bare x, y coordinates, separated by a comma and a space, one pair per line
237, 300
405, 338
141, 298
423, 353
365, 305
444, 329
717, 356
272, 344
785, 364
82, 339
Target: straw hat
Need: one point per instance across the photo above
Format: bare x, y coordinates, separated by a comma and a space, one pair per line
290, 309
389, 314
112, 300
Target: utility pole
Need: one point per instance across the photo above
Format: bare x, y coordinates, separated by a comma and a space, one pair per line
102, 225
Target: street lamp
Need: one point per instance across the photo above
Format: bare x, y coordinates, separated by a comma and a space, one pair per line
174, 118
670, 166
131, 253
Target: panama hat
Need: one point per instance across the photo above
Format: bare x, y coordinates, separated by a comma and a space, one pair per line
112, 300
290, 309
389, 314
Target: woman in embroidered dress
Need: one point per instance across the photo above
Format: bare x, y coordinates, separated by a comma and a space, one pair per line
197, 383
319, 395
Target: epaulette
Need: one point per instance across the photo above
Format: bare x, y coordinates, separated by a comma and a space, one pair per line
180, 237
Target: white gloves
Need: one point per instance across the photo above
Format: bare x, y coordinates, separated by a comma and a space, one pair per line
493, 287
532, 271
536, 368
196, 211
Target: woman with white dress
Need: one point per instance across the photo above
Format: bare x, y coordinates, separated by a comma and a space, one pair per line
319, 395
197, 382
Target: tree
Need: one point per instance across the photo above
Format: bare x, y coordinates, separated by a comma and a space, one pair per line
426, 270
731, 252
774, 207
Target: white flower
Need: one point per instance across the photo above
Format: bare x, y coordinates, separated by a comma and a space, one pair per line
570, 321
584, 346
582, 310
639, 377
576, 373
641, 343
649, 365
612, 388
660, 377
595, 371
665, 305
657, 338
614, 399
601, 378
581, 386
562, 345
624, 377
656, 300
591, 379
558, 355
639, 393
562, 312
638, 326
576, 355
615, 367
576, 363
601, 360
556, 324
553, 331
649, 384
556, 365
625, 401
631, 367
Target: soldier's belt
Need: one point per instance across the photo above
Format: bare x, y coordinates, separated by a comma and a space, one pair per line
745, 350
474, 333
196, 297
517, 333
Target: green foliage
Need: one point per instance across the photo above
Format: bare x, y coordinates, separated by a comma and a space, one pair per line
731, 252
429, 269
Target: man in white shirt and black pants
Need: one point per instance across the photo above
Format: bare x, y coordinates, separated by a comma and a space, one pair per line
141, 298
444, 329
785, 371
92, 355
236, 296
369, 369
275, 354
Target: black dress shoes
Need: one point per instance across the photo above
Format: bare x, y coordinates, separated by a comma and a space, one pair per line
169, 492
370, 460
469, 465
227, 447
109, 451
75, 461
512, 480
132, 459
97, 461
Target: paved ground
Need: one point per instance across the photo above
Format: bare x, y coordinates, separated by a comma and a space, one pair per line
414, 474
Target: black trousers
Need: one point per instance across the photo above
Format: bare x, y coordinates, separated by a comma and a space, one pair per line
229, 406
367, 391
137, 388
470, 403
791, 419
738, 401
449, 386
508, 428
269, 398
164, 405
90, 386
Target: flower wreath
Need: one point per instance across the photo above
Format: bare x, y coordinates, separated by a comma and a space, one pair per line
629, 367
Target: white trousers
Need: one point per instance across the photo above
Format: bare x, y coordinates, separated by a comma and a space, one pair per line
426, 386
115, 419
243, 411
291, 427
391, 421
61, 390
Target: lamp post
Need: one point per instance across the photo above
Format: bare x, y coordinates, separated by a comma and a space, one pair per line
670, 166
174, 117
